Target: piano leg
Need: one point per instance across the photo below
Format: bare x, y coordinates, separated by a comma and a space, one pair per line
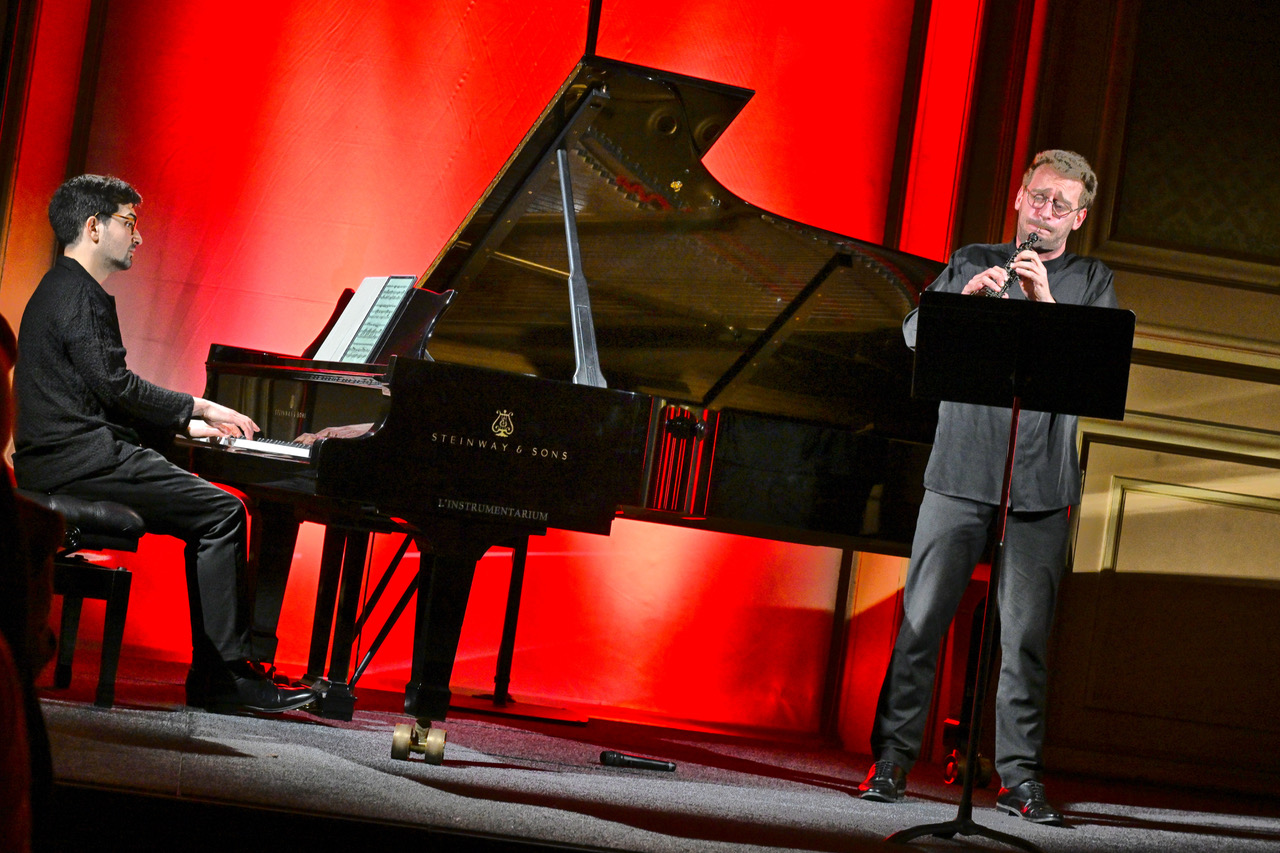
506, 649
335, 542
442, 603
339, 702
272, 540
444, 586
336, 701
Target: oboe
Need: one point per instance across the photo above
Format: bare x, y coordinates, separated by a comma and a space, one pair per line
1031, 240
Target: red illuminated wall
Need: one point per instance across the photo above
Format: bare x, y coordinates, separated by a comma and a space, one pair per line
286, 157
948, 77
288, 151
43, 125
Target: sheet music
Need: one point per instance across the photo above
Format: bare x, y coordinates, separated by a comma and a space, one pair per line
378, 318
365, 318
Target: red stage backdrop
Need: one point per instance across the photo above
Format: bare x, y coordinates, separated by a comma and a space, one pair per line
286, 150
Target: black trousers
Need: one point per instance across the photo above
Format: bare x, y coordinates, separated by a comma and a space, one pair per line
950, 537
212, 524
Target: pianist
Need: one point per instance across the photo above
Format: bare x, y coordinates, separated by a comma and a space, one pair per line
80, 413
963, 484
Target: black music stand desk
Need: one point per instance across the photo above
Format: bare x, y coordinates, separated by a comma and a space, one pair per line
1014, 353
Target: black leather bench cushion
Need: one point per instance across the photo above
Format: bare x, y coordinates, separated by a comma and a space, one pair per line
96, 518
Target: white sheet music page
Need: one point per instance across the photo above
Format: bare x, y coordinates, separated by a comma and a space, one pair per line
371, 309
381, 314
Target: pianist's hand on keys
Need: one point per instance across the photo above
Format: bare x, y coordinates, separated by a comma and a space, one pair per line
344, 431
271, 447
196, 428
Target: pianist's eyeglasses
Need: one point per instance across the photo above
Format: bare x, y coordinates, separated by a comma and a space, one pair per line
131, 222
1060, 207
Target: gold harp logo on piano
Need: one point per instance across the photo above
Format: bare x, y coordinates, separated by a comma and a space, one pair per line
504, 426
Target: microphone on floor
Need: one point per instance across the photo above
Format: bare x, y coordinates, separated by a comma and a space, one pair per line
610, 758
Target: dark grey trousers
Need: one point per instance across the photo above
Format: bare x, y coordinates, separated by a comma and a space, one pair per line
210, 521
950, 537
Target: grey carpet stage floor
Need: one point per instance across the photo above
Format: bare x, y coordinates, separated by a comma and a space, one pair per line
150, 774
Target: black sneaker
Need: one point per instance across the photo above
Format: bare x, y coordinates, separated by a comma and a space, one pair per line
1028, 802
886, 782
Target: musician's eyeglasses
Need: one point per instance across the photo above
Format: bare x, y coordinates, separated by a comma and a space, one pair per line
131, 222
1060, 208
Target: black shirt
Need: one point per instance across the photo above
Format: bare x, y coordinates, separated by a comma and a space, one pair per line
78, 405
971, 442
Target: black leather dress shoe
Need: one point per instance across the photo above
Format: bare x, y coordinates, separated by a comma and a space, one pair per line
242, 686
274, 675
199, 679
886, 782
1028, 802
197, 687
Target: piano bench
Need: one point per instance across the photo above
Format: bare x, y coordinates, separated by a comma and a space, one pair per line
91, 526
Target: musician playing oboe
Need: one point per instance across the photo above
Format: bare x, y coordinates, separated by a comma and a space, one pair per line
963, 483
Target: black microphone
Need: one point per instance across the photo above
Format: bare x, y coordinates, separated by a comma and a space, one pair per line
610, 758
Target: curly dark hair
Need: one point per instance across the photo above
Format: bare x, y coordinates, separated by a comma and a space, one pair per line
84, 196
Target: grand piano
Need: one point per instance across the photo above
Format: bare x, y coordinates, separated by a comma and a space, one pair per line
624, 337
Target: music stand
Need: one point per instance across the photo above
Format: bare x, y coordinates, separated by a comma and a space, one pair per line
1014, 353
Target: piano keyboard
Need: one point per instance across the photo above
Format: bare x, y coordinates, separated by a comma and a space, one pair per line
270, 446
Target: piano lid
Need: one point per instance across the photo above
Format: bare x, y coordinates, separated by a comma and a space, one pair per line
698, 296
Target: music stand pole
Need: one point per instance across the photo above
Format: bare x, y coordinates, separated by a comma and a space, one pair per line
963, 823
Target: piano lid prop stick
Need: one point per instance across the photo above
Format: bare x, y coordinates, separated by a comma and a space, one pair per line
586, 356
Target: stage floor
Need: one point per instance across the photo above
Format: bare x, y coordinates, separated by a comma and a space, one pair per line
153, 774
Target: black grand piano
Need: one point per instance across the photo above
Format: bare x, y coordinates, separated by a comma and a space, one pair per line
707, 364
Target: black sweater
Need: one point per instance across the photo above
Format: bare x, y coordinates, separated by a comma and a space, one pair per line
79, 407
971, 442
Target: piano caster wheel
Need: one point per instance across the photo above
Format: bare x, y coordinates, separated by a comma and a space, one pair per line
954, 770
409, 738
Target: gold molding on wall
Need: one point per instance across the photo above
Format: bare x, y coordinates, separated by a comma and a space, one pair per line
1123, 487
1099, 234
1182, 263
1198, 351
1202, 346
1165, 633
1095, 543
1183, 436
